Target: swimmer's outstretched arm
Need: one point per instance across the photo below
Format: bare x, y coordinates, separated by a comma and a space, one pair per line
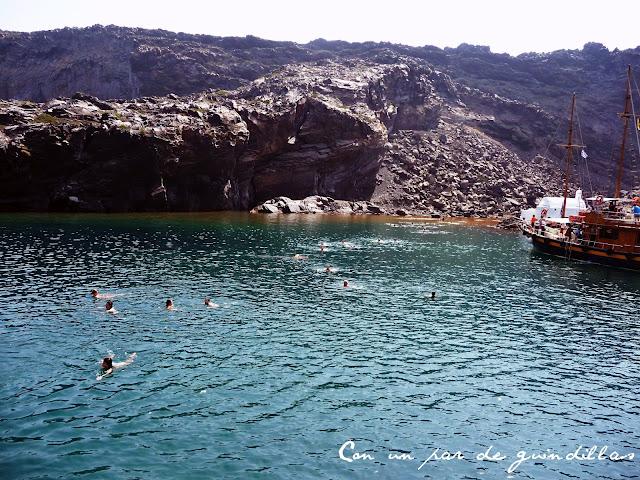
128, 361
108, 372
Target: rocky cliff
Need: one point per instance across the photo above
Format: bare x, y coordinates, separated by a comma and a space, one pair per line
423, 129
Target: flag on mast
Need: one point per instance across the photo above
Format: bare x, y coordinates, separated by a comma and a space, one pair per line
160, 189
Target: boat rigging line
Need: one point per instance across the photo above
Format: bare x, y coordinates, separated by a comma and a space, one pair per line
586, 162
625, 116
636, 119
553, 137
569, 146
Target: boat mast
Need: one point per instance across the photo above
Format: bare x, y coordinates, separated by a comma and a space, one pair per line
569, 146
625, 116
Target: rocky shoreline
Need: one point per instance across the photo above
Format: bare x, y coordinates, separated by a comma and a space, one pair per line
329, 206
318, 204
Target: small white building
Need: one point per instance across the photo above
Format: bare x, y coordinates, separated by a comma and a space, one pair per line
553, 207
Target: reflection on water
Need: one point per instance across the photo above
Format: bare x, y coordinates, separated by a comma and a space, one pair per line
518, 351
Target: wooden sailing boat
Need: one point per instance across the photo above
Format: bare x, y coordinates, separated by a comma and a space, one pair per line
606, 232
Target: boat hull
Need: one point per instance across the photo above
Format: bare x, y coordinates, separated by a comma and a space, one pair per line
587, 253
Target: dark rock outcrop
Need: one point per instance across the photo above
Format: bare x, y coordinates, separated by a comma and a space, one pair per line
396, 134
509, 222
531, 90
424, 130
279, 136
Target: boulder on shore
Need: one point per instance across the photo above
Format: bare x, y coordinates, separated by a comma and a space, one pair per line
509, 223
317, 204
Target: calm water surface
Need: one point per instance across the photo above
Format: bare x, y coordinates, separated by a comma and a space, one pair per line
519, 351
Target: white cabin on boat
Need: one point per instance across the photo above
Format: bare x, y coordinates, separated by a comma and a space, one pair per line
553, 207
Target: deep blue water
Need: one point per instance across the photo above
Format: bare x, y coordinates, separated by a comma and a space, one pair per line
519, 350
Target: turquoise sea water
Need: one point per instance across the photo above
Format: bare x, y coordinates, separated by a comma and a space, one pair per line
519, 351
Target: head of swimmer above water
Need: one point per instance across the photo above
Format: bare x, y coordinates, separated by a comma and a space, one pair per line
169, 303
107, 363
108, 305
94, 293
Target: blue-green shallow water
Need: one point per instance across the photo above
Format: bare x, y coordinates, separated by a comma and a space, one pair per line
519, 350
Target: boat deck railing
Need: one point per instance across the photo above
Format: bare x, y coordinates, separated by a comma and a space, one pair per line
554, 234
619, 217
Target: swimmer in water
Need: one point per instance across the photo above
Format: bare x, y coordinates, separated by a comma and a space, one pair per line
95, 294
433, 295
322, 247
108, 365
345, 284
347, 244
329, 269
169, 304
109, 307
209, 303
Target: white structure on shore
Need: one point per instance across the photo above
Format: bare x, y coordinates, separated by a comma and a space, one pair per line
553, 207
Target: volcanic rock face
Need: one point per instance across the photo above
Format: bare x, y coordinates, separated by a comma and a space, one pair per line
422, 129
116, 62
455, 170
279, 136
306, 130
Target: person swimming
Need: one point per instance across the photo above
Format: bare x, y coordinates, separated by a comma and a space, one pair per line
209, 303
347, 244
169, 304
108, 365
322, 247
109, 307
95, 294
433, 295
345, 284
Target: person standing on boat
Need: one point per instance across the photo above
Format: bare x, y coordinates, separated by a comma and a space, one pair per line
636, 212
533, 221
569, 232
